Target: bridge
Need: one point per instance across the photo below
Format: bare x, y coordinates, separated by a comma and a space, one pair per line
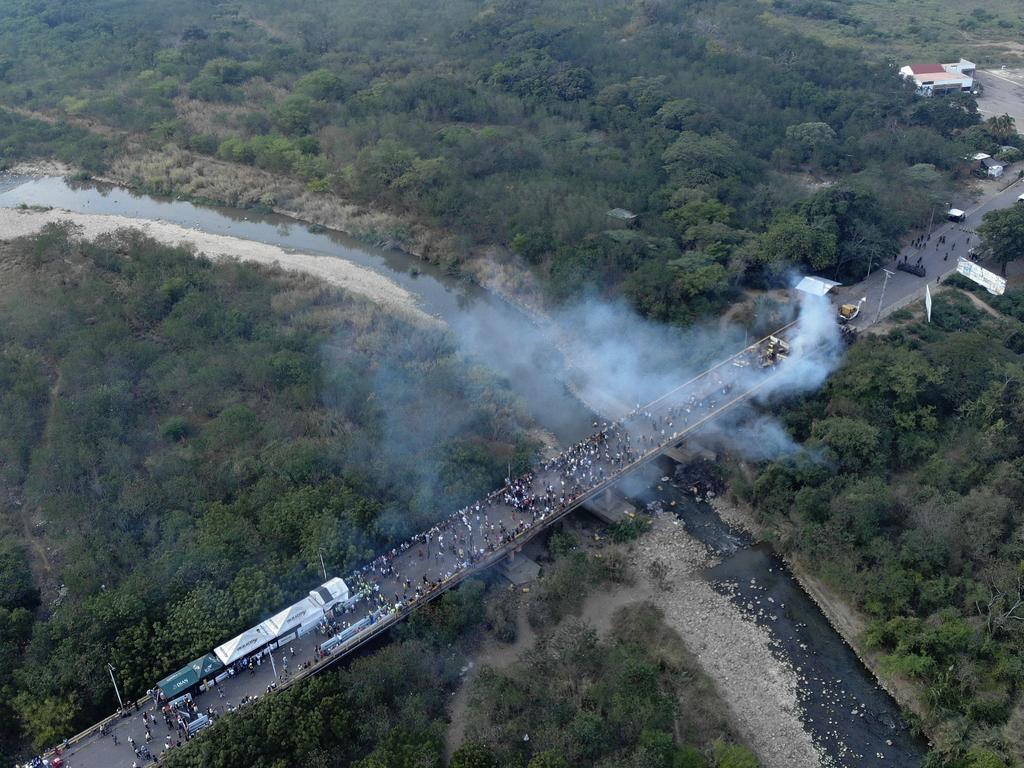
481, 535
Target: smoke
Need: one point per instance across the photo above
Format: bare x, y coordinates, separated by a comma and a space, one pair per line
614, 360
408, 391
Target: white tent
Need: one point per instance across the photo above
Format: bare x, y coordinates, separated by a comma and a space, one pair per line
816, 286
301, 614
330, 593
249, 641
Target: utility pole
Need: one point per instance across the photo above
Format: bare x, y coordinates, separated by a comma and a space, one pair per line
110, 669
881, 298
321, 552
273, 666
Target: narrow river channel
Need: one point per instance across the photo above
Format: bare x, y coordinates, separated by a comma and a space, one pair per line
854, 721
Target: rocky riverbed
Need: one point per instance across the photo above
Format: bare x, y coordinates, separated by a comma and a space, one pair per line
760, 689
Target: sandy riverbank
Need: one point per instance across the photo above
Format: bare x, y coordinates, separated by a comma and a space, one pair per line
338, 272
759, 689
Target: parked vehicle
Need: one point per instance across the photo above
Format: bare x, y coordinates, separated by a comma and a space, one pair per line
914, 269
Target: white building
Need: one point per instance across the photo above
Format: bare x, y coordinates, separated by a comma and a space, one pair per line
933, 79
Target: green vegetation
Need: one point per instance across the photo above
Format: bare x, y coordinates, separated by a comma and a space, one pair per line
637, 698
984, 31
185, 438
1002, 235
24, 137
744, 149
908, 501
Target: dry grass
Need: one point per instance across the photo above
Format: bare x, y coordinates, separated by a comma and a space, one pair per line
177, 172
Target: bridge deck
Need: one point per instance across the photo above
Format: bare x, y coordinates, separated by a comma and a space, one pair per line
580, 473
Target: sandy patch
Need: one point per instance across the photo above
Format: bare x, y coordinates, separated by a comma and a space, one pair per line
759, 689
338, 272
734, 651
41, 167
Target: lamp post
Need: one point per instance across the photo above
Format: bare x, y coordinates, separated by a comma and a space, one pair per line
110, 669
881, 297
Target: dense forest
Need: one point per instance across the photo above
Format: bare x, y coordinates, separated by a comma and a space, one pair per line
909, 499
180, 441
743, 149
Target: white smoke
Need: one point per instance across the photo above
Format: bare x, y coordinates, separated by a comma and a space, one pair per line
613, 360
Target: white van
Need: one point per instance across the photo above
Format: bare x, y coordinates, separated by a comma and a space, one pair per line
955, 214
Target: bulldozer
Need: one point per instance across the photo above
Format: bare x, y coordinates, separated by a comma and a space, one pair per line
773, 351
848, 312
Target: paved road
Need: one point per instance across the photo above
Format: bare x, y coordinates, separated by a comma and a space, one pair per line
938, 259
1004, 93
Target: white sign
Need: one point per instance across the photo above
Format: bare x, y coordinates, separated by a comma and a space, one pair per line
990, 281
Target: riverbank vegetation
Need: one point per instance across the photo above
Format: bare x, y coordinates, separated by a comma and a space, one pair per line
743, 150
180, 441
635, 698
908, 501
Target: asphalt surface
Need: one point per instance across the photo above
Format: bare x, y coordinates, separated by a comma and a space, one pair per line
1004, 93
938, 259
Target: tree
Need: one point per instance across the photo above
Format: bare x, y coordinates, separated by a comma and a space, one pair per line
1002, 235
852, 443
792, 241
47, 720
473, 755
733, 756
1001, 127
809, 139
548, 759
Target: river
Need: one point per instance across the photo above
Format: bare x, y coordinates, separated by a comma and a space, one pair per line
848, 714
843, 708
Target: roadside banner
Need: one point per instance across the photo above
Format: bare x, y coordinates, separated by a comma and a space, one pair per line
928, 302
990, 281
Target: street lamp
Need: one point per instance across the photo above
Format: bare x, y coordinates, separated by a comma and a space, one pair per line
110, 669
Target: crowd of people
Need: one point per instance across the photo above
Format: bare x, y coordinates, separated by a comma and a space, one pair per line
417, 568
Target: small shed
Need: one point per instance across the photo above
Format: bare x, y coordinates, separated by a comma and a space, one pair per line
992, 167
816, 286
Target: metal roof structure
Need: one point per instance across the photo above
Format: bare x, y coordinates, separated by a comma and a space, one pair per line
330, 593
816, 286
248, 642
